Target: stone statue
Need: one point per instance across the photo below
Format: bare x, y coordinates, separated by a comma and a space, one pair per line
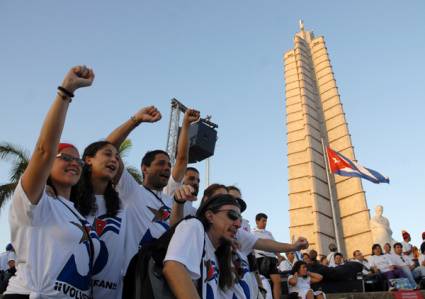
380, 226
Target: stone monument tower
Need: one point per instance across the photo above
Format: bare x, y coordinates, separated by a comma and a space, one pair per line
314, 113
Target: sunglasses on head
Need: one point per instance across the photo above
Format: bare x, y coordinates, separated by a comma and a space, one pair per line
232, 214
69, 158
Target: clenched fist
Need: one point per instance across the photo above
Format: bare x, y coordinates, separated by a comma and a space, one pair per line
148, 114
77, 77
190, 116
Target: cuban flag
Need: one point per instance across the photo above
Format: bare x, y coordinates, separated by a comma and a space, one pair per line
341, 165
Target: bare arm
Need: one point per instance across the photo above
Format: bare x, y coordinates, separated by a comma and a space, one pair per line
35, 176
182, 157
117, 137
274, 246
179, 280
315, 277
293, 280
181, 195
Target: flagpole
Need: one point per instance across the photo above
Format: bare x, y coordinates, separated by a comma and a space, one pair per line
331, 195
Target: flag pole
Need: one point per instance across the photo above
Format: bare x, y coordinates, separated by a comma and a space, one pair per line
331, 199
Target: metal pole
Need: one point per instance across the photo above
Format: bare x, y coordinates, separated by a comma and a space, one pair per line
331, 195
207, 172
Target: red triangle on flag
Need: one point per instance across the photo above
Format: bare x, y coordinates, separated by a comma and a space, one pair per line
335, 161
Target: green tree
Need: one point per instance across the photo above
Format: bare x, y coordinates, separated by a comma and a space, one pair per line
124, 149
19, 158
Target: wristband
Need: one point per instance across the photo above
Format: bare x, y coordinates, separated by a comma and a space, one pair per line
64, 96
65, 91
180, 202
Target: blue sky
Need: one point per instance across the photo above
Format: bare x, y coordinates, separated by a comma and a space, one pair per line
225, 59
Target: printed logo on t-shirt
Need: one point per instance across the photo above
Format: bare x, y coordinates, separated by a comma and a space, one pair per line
161, 216
212, 271
104, 224
70, 281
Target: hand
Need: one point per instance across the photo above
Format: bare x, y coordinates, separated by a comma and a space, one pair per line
185, 193
235, 245
191, 116
77, 77
148, 114
301, 243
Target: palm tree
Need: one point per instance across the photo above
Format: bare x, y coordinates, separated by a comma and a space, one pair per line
20, 159
123, 150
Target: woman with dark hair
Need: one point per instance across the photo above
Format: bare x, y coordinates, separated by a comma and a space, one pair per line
300, 281
245, 284
96, 199
208, 255
57, 252
382, 263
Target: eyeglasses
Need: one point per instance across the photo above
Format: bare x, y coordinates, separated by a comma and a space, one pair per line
232, 214
68, 158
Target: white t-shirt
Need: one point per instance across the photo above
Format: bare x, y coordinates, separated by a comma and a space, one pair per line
400, 260
302, 286
108, 283
171, 188
148, 213
331, 259
285, 265
406, 247
52, 248
245, 225
263, 234
246, 286
421, 259
190, 255
383, 262
4, 257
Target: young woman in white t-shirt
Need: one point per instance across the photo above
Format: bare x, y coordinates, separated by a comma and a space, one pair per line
55, 247
202, 250
300, 282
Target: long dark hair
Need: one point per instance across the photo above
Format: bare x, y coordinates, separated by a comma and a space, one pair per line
224, 251
83, 195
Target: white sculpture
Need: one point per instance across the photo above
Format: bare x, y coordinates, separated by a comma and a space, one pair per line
380, 226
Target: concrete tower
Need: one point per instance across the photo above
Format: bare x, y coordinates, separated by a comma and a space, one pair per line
314, 112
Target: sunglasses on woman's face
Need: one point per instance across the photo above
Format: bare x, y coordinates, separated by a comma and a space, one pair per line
232, 214
69, 158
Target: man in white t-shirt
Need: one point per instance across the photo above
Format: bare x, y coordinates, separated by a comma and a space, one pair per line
333, 249
267, 261
407, 247
286, 265
4, 256
403, 262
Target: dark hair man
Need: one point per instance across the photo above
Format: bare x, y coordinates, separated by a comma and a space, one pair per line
267, 261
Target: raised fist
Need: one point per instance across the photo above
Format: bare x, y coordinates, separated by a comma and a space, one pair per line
77, 77
190, 116
301, 243
185, 193
148, 114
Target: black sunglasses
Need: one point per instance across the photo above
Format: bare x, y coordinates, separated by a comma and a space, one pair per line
232, 214
68, 158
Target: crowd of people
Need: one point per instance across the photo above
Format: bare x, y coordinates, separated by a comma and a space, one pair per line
79, 225
400, 265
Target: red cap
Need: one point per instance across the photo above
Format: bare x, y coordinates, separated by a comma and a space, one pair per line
62, 146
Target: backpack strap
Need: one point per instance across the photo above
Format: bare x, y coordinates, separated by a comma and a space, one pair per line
201, 280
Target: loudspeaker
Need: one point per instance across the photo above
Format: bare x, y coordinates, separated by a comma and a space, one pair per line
202, 138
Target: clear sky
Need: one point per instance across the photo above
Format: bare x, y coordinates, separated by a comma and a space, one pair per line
225, 59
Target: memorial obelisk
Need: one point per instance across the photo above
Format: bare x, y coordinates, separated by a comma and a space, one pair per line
314, 114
